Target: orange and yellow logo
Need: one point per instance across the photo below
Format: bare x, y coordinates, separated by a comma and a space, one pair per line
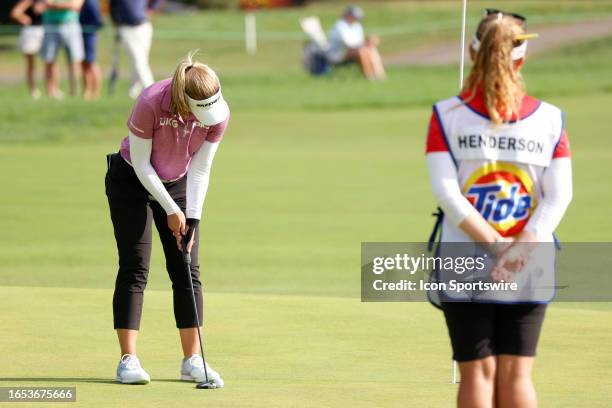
503, 194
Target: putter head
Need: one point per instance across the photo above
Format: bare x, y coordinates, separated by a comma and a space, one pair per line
206, 386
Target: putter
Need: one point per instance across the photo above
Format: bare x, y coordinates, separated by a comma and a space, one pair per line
207, 384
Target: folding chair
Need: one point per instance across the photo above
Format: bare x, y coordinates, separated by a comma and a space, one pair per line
315, 51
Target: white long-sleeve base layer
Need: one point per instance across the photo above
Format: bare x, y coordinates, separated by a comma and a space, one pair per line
198, 176
556, 187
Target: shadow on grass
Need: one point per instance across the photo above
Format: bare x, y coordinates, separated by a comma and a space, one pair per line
59, 379
78, 380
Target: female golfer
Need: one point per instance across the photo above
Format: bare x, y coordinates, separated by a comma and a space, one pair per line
500, 169
160, 176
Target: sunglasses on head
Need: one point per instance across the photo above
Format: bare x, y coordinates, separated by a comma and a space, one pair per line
519, 17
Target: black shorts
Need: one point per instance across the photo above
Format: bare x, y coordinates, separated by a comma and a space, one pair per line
479, 330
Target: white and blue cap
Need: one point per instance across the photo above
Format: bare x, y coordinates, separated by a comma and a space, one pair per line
355, 11
210, 111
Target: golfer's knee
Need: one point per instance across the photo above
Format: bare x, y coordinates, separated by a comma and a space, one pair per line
132, 278
180, 278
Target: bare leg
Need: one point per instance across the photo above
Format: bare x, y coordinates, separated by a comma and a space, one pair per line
96, 80
92, 80
52, 81
476, 389
365, 63
377, 63
73, 77
514, 387
127, 340
87, 85
189, 341
31, 73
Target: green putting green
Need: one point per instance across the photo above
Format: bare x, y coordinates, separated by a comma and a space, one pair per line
279, 351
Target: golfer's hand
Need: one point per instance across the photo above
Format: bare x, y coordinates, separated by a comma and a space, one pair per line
177, 224
189, 235
179, 243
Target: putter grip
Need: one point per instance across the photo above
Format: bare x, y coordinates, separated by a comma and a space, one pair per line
186, 255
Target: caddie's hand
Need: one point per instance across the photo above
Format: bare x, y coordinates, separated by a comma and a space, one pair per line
500, 246
510, 262
515, 258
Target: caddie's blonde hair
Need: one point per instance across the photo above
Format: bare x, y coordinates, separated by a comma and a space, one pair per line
192, 78
493, 69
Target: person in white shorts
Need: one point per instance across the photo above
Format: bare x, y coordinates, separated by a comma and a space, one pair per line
28, 14
136, 32
62, 30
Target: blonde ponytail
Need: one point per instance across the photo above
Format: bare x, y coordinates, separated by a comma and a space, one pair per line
193, 79
494, 70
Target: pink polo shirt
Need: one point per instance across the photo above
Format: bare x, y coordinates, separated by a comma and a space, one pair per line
175, 139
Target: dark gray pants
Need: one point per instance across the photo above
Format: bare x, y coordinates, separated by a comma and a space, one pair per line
133, 211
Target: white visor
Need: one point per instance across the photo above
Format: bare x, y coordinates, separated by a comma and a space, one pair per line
517, 52
211, 111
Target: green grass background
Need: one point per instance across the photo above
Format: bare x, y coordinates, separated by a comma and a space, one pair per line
308, 170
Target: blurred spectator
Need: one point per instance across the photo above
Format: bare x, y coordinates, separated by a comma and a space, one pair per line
347, 43
28, 14
91, 21
136, 33
62, 29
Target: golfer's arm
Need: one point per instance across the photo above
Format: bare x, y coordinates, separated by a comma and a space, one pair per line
445, 186
198, 177
140, 153
557, 190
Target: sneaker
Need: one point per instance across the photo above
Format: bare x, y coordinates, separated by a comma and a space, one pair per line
129, 371
192, 369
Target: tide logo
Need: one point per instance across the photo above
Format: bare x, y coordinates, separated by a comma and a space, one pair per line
503, 194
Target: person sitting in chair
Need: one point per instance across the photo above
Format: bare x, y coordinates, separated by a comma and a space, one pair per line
347, 43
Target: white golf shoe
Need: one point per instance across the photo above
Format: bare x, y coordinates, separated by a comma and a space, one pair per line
129, 371
192, 369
